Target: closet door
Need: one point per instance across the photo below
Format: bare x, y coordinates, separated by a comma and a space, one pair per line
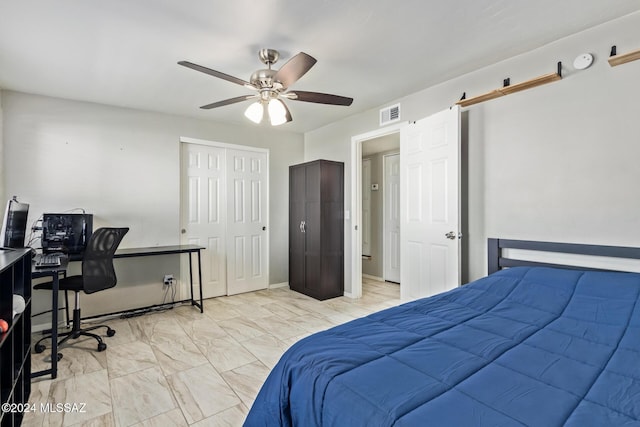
224, 198
203, 212
247, 249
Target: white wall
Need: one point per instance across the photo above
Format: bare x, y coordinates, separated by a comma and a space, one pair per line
558, 162
123, 166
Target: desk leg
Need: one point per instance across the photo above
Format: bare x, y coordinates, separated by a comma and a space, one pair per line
200, 281
54, 326
193, 302
55, 288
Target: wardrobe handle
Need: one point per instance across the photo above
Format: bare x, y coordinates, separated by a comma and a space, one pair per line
302, 227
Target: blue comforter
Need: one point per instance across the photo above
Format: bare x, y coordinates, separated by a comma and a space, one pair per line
524, 346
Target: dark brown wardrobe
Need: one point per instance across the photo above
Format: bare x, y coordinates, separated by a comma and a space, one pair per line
316, 229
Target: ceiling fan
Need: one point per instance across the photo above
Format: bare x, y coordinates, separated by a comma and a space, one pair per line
271, 87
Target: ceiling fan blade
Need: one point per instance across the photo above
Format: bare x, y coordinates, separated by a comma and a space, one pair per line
215, 73
319, 98
228, 102
295, 68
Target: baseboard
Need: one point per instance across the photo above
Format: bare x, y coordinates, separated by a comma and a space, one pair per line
369, 276
40, 328
279, 285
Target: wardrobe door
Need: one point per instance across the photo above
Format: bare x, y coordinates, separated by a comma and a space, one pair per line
296, 227
313, 230
332, 230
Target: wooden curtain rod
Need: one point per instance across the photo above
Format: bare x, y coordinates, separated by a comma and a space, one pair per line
509, 88
616, 59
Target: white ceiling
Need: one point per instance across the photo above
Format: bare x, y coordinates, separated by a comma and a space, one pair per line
124, 52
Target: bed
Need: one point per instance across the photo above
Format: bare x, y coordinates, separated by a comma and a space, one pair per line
534, 344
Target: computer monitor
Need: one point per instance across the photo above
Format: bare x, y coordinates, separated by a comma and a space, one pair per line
14, 225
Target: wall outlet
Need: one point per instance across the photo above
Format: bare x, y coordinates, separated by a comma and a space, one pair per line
168, 279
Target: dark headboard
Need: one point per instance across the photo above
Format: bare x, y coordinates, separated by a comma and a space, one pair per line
497, 261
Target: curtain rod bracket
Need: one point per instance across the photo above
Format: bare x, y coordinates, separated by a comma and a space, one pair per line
464, 96
614, 51
560, 68
506, 82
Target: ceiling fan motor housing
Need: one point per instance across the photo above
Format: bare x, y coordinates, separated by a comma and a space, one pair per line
263, 78
268, 56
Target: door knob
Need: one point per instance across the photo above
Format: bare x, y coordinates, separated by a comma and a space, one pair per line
264, 228
183, 231
450, 235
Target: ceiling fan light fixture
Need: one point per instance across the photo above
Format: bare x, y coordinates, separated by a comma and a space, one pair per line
277, 112
269, 85
255, 112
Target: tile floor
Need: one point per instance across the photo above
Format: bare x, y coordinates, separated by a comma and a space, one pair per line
180, 367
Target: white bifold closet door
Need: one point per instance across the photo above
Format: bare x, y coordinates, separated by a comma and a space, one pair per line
224, 209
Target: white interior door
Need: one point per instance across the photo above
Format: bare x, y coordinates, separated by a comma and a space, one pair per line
247, 234
204, 212
430, 209
366, 206
392, 218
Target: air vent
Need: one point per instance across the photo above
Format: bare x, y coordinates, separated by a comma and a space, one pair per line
390, 114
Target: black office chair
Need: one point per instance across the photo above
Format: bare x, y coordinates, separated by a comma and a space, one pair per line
98, 274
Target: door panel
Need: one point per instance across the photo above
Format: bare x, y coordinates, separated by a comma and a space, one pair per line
392, 218
203, 216
296, 235
312, 252
366, 206
430, 209
247, 265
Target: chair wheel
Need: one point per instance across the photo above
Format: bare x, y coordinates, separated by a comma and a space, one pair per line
111, 332
39, 348
102, 346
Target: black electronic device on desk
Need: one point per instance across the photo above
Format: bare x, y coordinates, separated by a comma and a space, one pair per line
67, 233
49, 260
14, 224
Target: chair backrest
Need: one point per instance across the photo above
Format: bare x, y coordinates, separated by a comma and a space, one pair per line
97, 264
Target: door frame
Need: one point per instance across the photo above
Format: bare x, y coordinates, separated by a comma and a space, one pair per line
189, 140
356, 204
385, 200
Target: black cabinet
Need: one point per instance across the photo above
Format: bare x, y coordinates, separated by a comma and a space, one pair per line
316, 229
15, 344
